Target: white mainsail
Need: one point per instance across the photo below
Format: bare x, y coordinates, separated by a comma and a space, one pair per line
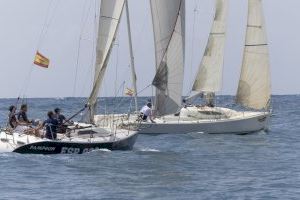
110, 14
254, 90
168, 18
209, 77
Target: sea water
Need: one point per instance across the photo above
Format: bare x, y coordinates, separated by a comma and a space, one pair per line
176, 166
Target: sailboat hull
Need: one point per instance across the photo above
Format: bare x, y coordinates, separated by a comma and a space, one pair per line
235, 122
53, 147
28, 144
241, 125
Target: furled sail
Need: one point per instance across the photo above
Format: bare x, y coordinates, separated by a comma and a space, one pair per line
209, 77
168, 18
254, 90
110, 14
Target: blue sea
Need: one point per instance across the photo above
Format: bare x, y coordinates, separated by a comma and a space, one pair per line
192, 166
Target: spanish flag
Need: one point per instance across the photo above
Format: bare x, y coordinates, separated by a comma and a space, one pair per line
129, 92
41, 60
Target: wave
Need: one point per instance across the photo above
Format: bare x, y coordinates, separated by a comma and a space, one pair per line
146, 149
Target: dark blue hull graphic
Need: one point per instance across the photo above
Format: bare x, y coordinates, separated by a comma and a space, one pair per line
62, 147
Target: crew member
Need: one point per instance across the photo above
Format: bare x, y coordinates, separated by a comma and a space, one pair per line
146, 112
210, 99
22, 115
60, 117
12, 119
51, 126
62, 126
23, 125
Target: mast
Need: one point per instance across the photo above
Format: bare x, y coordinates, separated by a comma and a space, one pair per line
168, 18
133, 73
254, 90
209, 77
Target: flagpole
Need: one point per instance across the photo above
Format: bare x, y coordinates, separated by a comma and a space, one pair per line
133, 73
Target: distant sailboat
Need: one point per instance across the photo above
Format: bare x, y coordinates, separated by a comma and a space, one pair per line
254, 90
83, 137
254, 87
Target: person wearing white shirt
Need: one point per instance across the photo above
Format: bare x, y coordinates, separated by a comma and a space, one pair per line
146, 112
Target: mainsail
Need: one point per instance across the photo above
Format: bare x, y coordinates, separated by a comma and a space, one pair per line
168, 18
254, 90
110, 11
209, 77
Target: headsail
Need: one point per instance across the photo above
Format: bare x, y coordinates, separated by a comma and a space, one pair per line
168, 24
254, 90
110, 14
209, 77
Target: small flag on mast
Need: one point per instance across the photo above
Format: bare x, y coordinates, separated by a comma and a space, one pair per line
41, 60
129, 92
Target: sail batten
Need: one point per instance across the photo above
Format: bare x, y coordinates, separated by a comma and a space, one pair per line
110, 14
254, 90
168, 18
209, 76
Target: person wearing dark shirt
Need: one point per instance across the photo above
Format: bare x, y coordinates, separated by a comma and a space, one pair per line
20, 126
51, 125
62, 128
22, 115
60, 117
12, 120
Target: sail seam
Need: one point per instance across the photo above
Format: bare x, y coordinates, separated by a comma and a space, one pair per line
254, 26
255, 45
223, 33
107, 17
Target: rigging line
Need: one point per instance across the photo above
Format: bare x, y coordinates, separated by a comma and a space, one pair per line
43, 33
92, 64
192, 48
83, 22
143, 26
45, 23
48, 22
179, 13
116, 94
25, 83
120, 87
117, 63
122, 99
142, 90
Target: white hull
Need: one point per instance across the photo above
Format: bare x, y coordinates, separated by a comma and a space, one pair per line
240, 125
235, 122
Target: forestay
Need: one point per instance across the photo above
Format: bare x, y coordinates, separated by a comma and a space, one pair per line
209, 77
110, 14
254, 88
168, 25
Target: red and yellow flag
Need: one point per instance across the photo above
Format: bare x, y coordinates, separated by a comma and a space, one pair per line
129, 92
41, 60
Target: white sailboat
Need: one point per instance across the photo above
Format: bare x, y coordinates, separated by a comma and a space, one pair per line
83, 137
254, 87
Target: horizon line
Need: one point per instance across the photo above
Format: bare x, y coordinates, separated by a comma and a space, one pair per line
36, 97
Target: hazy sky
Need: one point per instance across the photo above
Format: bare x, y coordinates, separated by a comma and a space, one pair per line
22, 22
